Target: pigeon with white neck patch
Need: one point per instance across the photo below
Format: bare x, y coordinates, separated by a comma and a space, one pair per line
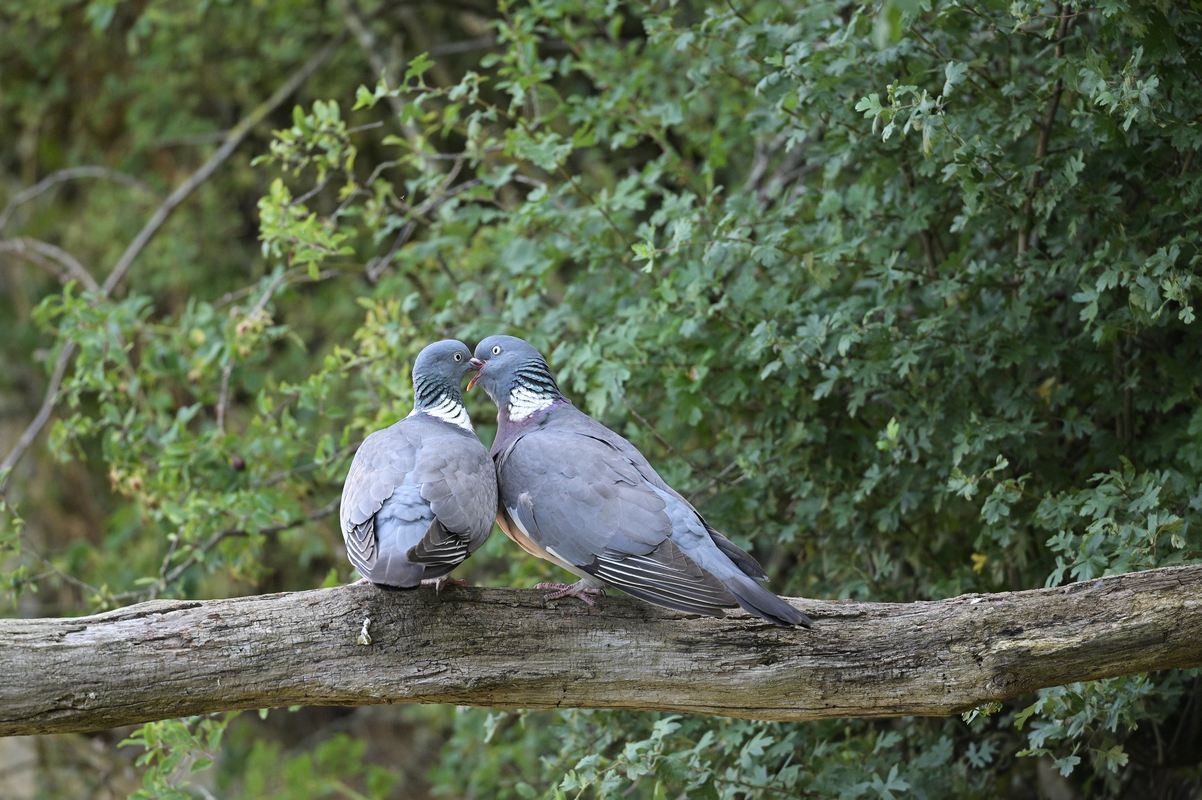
421, 495
577, 494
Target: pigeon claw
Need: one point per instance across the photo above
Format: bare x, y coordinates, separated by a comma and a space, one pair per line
446, 580
580, 590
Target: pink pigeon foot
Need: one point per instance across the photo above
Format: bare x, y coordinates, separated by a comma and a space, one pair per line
581, 590
445, 580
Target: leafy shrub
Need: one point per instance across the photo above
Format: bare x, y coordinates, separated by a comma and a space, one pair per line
903, 295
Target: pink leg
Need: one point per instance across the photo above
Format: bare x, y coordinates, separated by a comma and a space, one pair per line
582, 590
445, 580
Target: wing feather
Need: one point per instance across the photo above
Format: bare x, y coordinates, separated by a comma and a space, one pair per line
594, 509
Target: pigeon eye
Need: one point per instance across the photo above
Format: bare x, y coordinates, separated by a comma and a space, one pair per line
459, 356
496, 349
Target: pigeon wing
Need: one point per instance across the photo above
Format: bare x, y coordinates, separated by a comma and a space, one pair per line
381, 464
402, 517
586, 504
458, 480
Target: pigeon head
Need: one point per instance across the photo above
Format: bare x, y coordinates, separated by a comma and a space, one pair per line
438, 371
515, 375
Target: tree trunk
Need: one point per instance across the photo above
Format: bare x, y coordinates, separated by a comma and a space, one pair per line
504, 647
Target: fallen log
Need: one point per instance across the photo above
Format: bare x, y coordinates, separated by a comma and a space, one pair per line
358, 645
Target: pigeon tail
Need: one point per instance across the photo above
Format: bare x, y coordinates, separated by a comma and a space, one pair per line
741, 558
764, 604
394, 572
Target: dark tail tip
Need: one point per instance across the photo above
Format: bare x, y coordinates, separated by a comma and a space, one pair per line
767, 606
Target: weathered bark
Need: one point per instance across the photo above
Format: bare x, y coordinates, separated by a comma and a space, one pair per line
501, 647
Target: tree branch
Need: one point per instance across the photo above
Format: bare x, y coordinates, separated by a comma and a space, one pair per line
63, 176
43, 253
235, 137
1045, 130
139, 242
507, 648
27, 437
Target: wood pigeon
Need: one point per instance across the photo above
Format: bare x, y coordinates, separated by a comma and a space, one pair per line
421, 495
579, 495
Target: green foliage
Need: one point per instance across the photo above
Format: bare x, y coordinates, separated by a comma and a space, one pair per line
1089, 720
902, 295
174, 751
330, 771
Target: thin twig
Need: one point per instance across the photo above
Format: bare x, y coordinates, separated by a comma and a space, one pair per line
194, 139
284, 475
42, 253
375, 268
71, 580
62, 176
464, 46
236, 135
217, 538
309, 195
297, 275
659, 437
1045, 133
367, 126
40, 419
367, 43
223, 397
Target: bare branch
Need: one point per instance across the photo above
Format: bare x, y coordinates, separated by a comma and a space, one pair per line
376, 266
235, 137
223, 394
1045, 133
463, 46
43, 253
26, 440
294, 276
62, 176
510, 648
152, 226
223, 398
366, 39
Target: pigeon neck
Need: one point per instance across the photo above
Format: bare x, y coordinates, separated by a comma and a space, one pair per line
441, 401
533, 390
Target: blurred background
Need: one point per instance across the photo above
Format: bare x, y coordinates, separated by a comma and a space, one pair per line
900, 294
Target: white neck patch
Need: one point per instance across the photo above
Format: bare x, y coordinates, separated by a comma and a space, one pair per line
447, 410
523, 402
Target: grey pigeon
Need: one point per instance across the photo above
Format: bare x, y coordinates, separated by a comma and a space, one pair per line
579, 495
421, 495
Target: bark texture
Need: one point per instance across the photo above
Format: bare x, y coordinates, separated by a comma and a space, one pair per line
505, 647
